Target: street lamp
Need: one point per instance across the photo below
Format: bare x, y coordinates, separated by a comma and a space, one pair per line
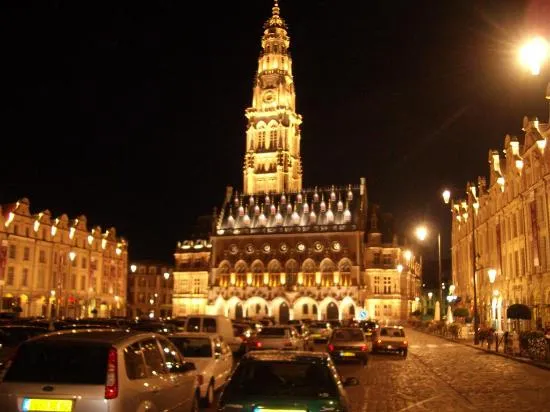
166, 275
533, 54
421, 234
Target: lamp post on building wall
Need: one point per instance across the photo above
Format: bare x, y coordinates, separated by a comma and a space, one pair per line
469, 209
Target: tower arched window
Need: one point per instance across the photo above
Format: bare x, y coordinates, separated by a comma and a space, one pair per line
273, 137
261, 139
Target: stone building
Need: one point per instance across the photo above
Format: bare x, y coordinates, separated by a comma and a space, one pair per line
150, 289
58, 266
280, 250
505, 220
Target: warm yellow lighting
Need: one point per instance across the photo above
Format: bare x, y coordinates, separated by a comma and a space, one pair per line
336, 277
399, 268
541, 144
54, 230
10, 218
430, 295
407, 254
452, 289
36, 225
266, 278
166, 275
318, 278
495, 292
103, 243
283, 278
533, 54
90, 239
133, 268
446, 196
421, 233
519, 164
417, 299
249, 278
72, 230
118, 251
501, 181
300, 278
476, 207
72, 255
52, 293
232, 278
492, 275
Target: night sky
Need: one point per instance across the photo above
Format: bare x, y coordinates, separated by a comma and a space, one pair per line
132, 113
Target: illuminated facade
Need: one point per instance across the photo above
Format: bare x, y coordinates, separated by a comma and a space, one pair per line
512, 231
191, 277
58, 266
277, 249
150, 289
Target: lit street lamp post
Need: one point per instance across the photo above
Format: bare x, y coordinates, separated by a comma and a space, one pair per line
533, 54
421, 233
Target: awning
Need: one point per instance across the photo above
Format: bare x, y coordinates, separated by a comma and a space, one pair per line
518, 311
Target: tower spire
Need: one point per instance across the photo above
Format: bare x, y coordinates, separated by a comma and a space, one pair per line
272, 160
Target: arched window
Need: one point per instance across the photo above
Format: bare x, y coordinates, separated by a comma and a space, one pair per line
258, 308
314, 311
305, 309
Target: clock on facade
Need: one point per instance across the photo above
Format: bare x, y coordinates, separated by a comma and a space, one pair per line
318, 246
249, 248
301, 247
233, 249
283, 247
336, 246
267, 248
268, 96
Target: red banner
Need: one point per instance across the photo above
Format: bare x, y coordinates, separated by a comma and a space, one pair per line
535, 230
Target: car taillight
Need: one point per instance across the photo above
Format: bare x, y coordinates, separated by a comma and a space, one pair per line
111, 381
405, 342
331, 347
363, 348
258, 344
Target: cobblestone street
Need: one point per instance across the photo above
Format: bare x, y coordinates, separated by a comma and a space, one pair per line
441, 375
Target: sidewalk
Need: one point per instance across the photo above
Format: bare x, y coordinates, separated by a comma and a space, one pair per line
469, 341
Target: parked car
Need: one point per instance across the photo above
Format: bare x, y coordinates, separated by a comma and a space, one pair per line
212, 357
278, 337
391, 339
320, 331
11, 336
217, 324
348, 344
108, 370
285, 381
369, 328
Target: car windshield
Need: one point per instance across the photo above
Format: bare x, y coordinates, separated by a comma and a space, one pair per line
395, 333
272, 332
281, 379
59, 362
348, 335
193, 347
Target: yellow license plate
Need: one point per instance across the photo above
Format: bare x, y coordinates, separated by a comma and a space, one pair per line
47, 405
260, 409
348, 354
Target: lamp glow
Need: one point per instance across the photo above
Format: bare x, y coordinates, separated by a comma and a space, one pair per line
421, 233
533, 54
446, 196
492, 275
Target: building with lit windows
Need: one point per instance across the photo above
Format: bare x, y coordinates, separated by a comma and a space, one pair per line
150, 289
504, 219
278, 249
57, 266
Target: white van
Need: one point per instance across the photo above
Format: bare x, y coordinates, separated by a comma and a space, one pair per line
218, 324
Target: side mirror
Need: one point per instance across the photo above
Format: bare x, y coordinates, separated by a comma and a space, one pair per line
186, 367
351, 381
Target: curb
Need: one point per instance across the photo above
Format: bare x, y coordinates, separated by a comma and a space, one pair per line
502, 355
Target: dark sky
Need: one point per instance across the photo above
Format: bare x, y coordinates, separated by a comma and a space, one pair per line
132, 113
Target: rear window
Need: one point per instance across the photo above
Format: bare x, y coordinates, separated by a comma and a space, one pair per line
395, 333
348, 335
193, 347
193, 325
273, 332
59, 362
289, 379
209, 325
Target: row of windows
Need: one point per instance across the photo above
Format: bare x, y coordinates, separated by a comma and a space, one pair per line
387, 259
386, 287
12, 254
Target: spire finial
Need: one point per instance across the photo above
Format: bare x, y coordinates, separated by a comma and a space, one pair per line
276, 8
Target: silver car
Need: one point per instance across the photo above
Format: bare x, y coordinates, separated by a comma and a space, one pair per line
99, 370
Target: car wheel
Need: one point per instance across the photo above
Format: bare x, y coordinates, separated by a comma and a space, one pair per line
208, 400
404, 353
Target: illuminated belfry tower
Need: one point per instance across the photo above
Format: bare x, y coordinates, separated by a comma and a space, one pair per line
272, 160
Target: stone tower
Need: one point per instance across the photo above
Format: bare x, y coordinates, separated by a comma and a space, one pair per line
272, 160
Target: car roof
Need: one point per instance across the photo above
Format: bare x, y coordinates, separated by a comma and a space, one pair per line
392, 327
193, 335
285, 356
106, 336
